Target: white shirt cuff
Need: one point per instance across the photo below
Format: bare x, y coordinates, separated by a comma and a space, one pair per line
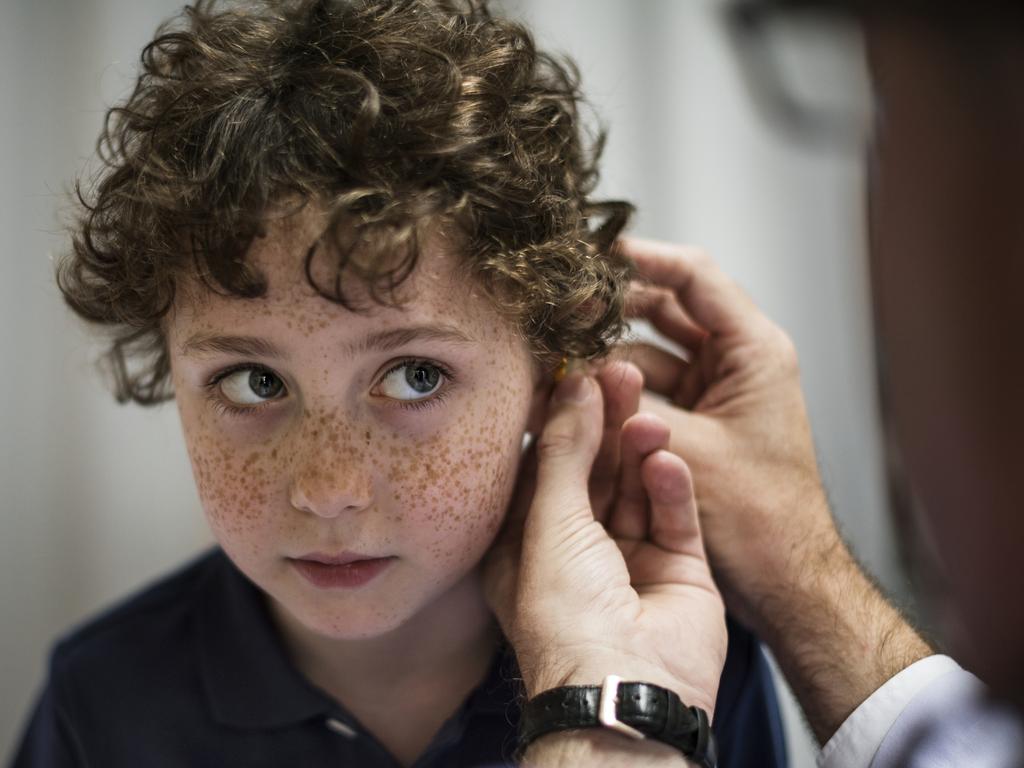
858, 738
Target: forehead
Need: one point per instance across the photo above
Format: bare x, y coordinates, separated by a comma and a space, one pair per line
437, 291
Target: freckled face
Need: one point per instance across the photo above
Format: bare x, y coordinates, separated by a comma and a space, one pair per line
406, 447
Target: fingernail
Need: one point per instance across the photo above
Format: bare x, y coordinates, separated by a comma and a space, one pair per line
574, 387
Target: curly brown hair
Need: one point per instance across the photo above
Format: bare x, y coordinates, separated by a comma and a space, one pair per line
388, 113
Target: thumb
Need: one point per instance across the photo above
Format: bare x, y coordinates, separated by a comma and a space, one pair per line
566, 450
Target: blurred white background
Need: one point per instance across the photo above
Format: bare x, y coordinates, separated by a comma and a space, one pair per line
97, 499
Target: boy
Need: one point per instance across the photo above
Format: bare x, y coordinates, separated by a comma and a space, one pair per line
352, 240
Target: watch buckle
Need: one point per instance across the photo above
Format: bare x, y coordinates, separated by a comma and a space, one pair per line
606, 710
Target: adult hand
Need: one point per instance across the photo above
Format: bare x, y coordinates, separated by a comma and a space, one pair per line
579, 601
737, 415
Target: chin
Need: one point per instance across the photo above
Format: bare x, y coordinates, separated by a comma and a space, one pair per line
352, 619
353, 626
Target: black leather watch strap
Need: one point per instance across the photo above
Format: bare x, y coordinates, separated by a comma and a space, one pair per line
641, 710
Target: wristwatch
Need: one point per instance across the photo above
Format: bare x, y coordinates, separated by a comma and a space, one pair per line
636, 710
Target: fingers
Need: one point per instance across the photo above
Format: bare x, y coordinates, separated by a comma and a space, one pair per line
641, 435
666, 374
662, 309
675, 525
693, 435
621, 384
711, 299
566, 451
661, 370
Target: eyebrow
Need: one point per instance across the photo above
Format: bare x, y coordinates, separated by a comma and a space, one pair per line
383, 341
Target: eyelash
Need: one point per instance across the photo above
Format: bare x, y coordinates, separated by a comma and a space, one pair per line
224, 407
426, 402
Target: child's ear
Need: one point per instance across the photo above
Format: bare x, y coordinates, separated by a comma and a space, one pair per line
539, 404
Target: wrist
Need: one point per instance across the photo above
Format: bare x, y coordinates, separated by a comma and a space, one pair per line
810, 576
545, 674
600, 749
835, 636
635, 711
790, 579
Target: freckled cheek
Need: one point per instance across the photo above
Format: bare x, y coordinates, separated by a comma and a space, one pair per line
454, 504
237, 484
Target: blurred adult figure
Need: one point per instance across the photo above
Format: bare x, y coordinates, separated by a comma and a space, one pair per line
947, 259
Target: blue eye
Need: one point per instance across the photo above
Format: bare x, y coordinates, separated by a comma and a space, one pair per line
250, 386
412, 380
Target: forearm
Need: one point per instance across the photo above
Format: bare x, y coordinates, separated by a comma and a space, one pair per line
601, 749
834, 635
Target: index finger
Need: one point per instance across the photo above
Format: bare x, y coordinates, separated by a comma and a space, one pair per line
711, 298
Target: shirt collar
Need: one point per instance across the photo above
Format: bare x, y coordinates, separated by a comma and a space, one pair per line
248, 678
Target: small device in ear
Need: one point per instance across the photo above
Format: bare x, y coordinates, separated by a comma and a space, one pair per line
562, 370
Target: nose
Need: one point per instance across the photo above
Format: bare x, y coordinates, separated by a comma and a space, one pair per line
328, 487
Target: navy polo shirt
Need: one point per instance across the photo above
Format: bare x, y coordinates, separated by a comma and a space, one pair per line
191, 672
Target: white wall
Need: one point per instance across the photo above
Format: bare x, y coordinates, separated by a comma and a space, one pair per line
97, 498
94, 498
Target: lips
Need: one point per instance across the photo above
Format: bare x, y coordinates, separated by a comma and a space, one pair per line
344, 570
342, 558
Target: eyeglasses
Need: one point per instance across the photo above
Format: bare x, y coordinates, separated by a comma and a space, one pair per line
806, 68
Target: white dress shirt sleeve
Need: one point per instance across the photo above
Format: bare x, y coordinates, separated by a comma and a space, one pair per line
933, 714
855, 743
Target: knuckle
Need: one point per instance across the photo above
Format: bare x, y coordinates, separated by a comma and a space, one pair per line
785, 350
699, 257
556, 441
663, 303
786, 347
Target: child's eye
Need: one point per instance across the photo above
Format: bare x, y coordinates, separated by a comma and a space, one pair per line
250, 386
412, 380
